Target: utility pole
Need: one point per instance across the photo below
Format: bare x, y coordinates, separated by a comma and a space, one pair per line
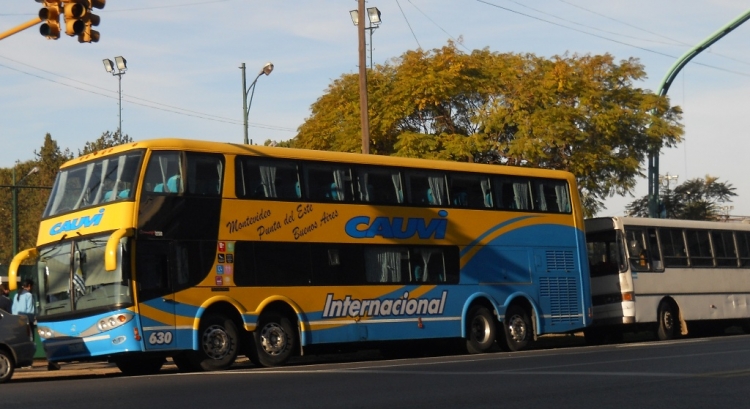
364, 119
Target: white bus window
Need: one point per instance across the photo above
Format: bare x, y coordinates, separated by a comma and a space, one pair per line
673, 247
724, 251
699, 248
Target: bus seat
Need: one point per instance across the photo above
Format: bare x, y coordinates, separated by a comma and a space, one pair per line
430, 199
461, 199
123, 194
159, 187
334, 192
107, 196
173, 184
418, 274
488, 200
297, 189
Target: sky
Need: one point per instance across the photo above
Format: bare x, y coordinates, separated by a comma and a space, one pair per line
183, 77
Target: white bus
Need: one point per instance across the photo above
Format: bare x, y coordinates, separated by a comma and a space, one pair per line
671, 276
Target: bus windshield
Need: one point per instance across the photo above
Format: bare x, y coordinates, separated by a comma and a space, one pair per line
74, 277
94, 182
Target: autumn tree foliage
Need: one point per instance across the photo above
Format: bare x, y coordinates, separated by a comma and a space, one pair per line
582, 114
35, 189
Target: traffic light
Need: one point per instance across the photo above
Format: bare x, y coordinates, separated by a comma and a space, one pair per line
50, 14
79, 19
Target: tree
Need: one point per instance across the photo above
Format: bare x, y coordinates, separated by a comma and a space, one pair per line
576, 113
696, 199
107, 140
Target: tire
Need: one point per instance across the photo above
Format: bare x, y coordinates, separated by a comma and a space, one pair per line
275, 339
218, 344
517, 328
132, 366
669, 322
480, 330
7, 366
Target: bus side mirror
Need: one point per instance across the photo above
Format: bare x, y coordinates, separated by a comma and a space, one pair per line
110, 255
17, 260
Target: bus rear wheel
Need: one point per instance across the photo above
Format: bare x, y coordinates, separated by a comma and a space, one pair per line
217, 344
668, 322
274, 340
518, 328
480, 331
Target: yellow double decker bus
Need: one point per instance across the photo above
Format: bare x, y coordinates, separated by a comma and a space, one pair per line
203, 251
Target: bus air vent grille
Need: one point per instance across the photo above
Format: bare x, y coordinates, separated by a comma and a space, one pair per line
560, 261
562, 296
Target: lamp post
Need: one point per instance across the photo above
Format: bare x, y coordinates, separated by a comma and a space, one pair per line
373, 15
245, 104
122, 66
666, 180
15, 205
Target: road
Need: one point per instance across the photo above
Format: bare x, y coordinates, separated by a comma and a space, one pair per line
690, 373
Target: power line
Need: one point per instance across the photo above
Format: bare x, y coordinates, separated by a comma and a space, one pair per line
130, 99
407, 23
459, 42
132, 9
591, 27
611, 39
650, 32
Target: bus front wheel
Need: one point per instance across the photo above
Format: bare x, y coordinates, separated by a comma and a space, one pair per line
480, 333
274, 340
217, 344
518, 329
668, 322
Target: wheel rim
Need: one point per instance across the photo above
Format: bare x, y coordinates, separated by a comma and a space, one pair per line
5, 366
668, 320
273, 339
517, 328
216, 342
480, 329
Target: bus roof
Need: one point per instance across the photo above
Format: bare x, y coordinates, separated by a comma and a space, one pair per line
306, 154
618, 222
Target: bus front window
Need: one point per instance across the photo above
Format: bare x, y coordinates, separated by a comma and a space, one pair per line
73, 277
94, 183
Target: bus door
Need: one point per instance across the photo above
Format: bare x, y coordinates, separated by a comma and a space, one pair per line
155, 271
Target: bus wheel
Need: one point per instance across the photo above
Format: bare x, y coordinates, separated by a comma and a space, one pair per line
131, 366
274, 340
518, 329
480, 333
6, 366
668, 322
218, 343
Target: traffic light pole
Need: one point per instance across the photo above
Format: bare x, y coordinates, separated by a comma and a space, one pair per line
24, 26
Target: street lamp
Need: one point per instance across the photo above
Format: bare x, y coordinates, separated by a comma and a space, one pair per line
373, 14
122, 66
245, 104
15, 205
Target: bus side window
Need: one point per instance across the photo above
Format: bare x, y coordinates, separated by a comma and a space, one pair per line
204, 172
427, 189
470, 191
379, 185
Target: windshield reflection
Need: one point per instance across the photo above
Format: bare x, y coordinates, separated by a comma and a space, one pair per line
95, 182
73, 277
